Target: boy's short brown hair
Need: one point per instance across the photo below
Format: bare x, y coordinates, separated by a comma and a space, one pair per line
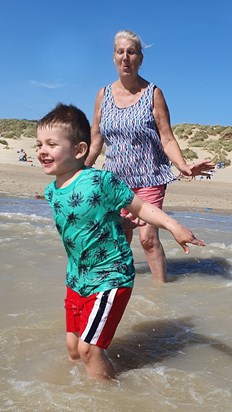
71, 117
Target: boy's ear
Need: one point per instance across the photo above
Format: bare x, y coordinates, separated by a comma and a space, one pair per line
81, 150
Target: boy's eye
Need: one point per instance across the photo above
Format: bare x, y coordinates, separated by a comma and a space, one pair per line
52, 144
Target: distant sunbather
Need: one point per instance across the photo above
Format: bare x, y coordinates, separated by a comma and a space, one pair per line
22, 156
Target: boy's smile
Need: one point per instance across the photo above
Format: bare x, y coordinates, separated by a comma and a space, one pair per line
56, 153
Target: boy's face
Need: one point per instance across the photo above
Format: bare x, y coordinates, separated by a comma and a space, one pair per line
56, 153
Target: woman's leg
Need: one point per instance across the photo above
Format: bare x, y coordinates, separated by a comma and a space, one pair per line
149, 235
153, 249
129, 235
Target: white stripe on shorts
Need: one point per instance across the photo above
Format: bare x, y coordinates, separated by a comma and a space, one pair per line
97, 320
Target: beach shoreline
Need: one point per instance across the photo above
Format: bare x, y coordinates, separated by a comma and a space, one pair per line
24, 181
28, 180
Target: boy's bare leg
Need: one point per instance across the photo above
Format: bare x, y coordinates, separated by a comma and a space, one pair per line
96, 362
72, 341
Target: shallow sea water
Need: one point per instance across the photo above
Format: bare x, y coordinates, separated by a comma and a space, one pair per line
172, 350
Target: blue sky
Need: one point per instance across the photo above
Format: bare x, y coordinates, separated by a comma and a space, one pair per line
53, 50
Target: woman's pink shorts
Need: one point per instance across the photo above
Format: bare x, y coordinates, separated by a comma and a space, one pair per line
153, 195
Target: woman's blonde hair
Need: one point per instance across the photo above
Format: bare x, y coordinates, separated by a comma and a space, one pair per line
129, 35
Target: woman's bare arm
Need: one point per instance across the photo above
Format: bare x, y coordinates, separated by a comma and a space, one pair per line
96, 138
169, 143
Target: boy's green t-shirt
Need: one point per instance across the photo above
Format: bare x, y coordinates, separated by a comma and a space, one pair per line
87, 217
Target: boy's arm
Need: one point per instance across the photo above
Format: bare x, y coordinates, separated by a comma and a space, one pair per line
156, 217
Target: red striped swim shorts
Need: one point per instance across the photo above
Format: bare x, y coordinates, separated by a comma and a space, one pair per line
96, 317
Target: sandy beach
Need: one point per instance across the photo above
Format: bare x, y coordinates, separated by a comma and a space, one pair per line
27, 179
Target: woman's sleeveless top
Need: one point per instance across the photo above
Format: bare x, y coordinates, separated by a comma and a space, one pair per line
133, 148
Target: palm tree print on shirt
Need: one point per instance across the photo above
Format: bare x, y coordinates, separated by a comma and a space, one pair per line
76, 199
72, 218
101, 254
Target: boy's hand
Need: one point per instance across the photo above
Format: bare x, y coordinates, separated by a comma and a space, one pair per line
183, 236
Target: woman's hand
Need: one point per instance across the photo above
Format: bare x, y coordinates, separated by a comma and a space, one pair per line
202, 167
131, 222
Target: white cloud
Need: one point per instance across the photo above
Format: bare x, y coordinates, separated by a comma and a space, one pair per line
46, 85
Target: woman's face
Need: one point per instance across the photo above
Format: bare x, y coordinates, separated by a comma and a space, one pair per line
127, 58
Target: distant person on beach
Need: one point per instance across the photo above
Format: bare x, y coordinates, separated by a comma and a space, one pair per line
209, 176
22, 156
132, 118
86, 205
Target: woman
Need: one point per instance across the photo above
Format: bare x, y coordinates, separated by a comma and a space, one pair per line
132, 118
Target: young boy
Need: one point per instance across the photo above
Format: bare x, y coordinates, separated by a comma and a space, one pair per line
86, 206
